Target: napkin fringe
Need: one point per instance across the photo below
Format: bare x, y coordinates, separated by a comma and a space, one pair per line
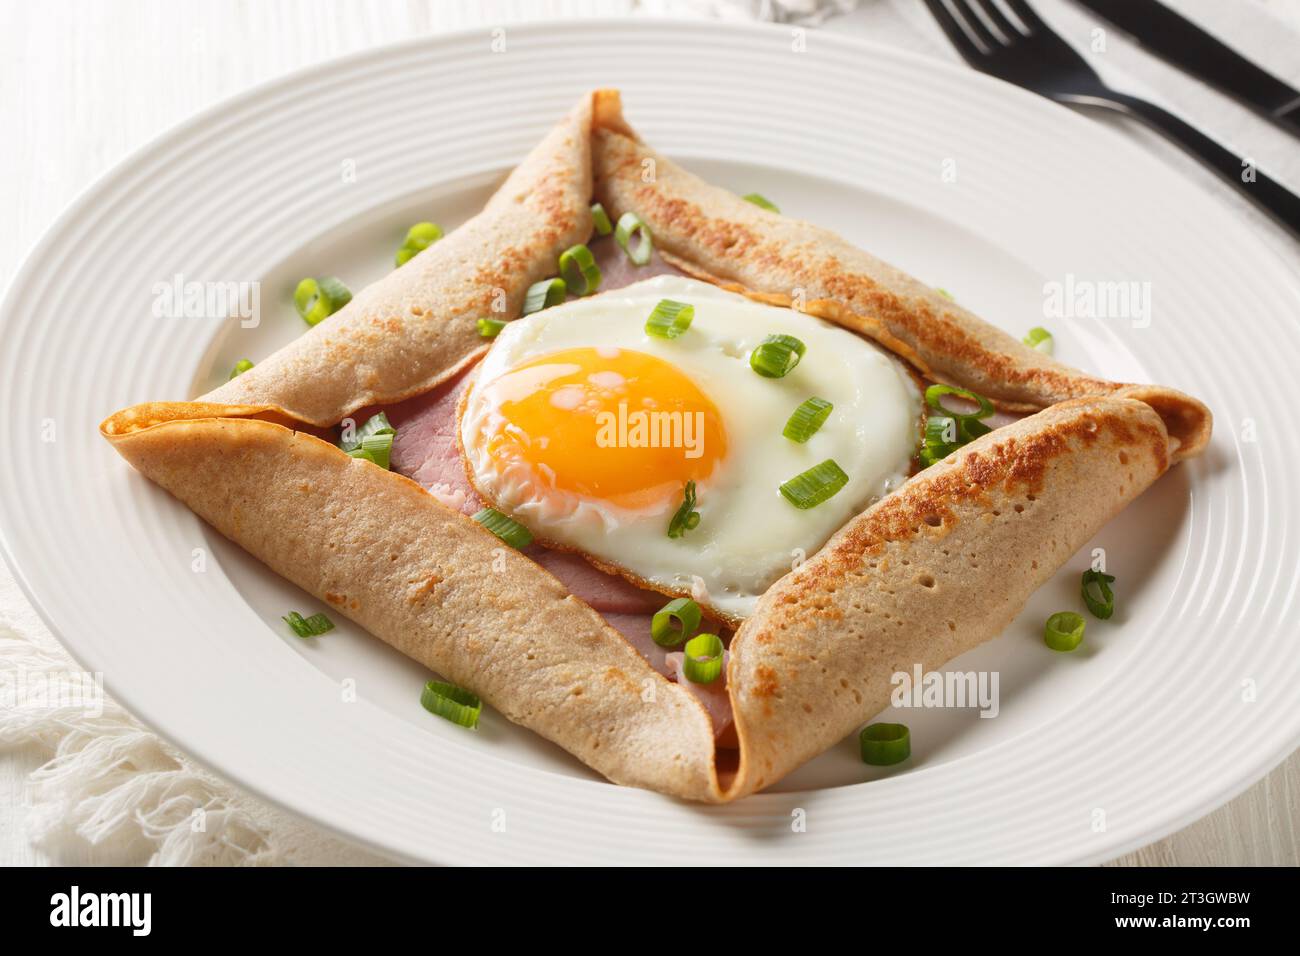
110, 783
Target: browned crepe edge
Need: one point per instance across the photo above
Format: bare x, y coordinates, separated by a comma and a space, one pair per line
262, 403
430, 582
717, 236
929, 572
417, 326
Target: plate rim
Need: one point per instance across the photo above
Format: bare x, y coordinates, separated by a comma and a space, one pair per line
88, 195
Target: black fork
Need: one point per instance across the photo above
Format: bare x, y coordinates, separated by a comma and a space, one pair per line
1015, 45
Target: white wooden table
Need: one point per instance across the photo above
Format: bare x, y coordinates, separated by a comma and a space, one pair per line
84, 82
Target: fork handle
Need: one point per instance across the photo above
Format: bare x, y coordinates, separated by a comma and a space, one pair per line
1268, 194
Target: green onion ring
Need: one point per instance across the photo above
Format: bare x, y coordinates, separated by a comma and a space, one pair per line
490, 328
629, 225
675, 622
312, 626
702, 658
504, 527
934, 398
242, 366
579, 269
777, 356
453, 703
669, 319
600, 220
376, 424
819, 483
686, 518
377, 449
544, 294
1040, 339
318, 299
761, 202
807, 419
1063, 631
883, 745
1102, 607
418, 238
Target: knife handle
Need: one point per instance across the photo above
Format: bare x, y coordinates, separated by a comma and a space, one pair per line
1268, 194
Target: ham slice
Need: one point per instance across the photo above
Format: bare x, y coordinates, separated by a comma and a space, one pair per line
713, 696
425, 450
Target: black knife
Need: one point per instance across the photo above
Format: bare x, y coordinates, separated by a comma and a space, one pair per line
1188, 47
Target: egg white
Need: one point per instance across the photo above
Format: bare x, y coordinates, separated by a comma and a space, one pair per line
748, 535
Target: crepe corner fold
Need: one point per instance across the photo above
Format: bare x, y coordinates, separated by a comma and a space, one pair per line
416, 327
716, 235
931, 571
432, 583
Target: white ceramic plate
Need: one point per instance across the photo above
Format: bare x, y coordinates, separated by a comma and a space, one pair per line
1188, 695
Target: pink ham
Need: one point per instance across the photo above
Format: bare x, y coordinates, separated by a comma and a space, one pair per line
713, 696
425, 450
617, 270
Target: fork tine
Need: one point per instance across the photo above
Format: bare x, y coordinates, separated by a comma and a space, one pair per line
975, 25
1025, 12
953, 29
998, 18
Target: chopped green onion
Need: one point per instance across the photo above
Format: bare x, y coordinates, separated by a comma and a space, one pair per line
675, 622
452, 703
418, 238
970, 428
490, 328
761, 202
669, 319
242, 366
544, 294
1041, 339
579, 269
819, 483
947, 430
777, 356
1102, 606
600, 220
686, 517
941, 430
883, 745
318, 299
373, 441
312, 626
1063, 631
934, 396
941, 433
376, 424
629, 225
945, 293
702, 660
377, 449
504, 527
807, 419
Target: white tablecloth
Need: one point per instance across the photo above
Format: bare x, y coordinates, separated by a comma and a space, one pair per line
84, 82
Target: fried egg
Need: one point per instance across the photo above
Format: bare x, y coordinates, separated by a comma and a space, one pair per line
586, 430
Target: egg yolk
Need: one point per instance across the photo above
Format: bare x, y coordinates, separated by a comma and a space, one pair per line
619, 426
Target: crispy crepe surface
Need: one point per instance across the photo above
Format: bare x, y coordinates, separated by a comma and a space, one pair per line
934, 569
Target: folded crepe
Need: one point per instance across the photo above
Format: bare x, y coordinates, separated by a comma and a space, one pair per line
931, 570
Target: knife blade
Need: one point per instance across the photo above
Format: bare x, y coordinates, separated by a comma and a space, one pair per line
1179, 41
